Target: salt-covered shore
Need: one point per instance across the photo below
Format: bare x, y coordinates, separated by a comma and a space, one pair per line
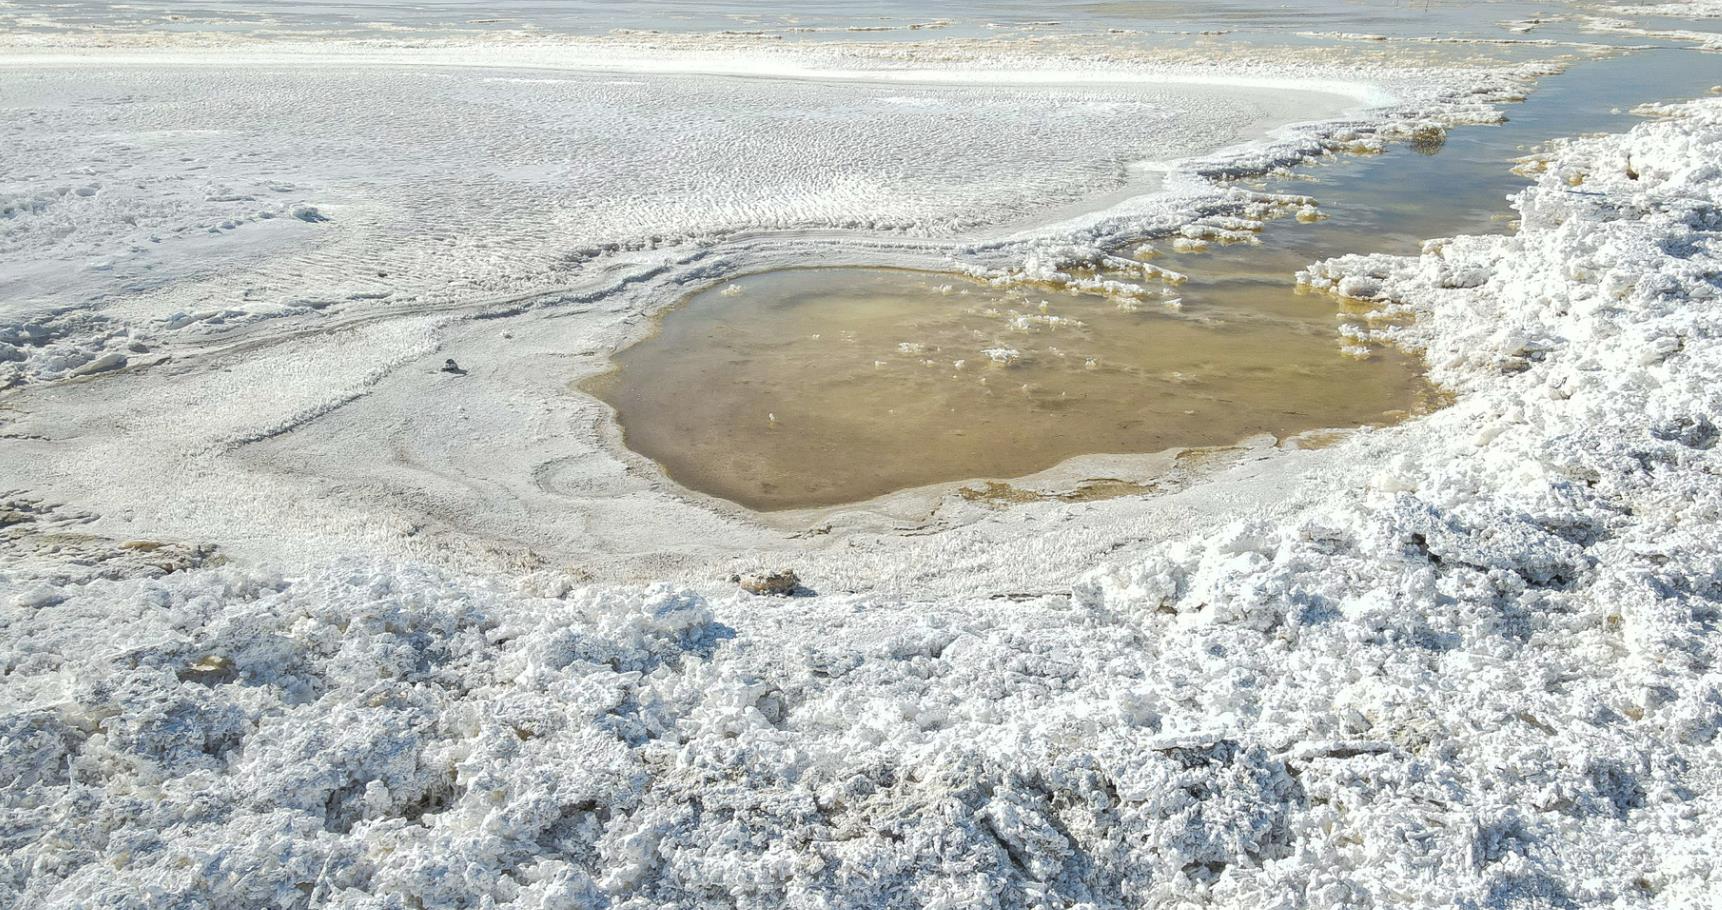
1480, 670
245, 349
289, 618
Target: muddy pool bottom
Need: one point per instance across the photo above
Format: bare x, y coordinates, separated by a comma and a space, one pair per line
821, 386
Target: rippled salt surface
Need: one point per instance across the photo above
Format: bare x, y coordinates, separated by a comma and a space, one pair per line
514, 179
804, 19
1467, 660
822, 386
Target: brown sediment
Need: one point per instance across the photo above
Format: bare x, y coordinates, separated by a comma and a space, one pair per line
814, 387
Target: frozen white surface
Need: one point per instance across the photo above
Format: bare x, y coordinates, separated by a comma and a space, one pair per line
1469, 661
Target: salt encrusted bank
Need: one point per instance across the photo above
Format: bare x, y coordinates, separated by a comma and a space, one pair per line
271, 371
322, 586
1480, 670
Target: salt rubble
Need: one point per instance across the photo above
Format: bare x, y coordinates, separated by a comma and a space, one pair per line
1482, 672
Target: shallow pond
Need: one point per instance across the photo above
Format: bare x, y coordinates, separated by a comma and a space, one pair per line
814, 387
809, 387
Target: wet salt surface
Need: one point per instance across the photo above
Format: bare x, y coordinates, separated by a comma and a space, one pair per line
1469, 660
880, 18
812, 387
1391, 203
548, 169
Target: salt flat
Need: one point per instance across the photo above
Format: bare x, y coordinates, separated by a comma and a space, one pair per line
289, 616
387, 205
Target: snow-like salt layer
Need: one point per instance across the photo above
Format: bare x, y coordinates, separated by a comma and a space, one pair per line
250, 374
1665, 21
1480, 670
1467, 661
1690, 9
798, 19
188, 194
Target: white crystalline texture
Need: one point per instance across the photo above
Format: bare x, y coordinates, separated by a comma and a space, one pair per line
1690, 9
58, 344
210, 197
1484, 672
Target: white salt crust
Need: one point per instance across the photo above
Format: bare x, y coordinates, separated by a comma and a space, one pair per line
1480, 671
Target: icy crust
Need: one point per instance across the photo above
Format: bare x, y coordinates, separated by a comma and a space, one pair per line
61, 344
1483, 673
378, 736
247, 741
1677, 10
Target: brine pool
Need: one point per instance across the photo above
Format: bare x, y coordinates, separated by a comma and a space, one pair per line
808, 387
814, 387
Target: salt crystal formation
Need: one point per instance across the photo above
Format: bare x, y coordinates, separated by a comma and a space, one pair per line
1471, 660
1484, 675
